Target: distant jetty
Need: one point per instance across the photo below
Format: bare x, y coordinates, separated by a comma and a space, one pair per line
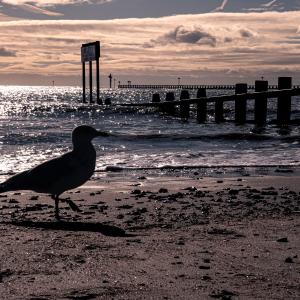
191, 86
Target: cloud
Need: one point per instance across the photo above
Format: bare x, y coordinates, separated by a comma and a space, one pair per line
42, 7
186, 35
5, 52
246, 33
222, 6
201, 46
51, 2
38, 10
200, 36
275, 5
269, 4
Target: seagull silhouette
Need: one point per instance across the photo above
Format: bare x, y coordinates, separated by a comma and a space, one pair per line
60, 174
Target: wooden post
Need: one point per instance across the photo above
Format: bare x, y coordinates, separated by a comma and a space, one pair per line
201, 106
110, 80
91, 82
284, 102
241, 104
170, 96
167, 108
107, 101
156, 98
83, 83
219, 111
99, 101
184, 108
261, 103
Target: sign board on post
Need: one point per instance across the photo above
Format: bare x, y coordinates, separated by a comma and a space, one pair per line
90, 51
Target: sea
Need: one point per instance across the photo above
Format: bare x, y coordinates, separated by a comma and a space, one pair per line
36, 125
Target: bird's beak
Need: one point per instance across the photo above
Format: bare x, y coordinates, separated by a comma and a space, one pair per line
102, 133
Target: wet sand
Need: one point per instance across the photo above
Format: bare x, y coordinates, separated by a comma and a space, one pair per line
150, 237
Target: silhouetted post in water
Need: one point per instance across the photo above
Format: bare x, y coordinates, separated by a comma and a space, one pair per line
91, 82
201, 106
110, 79
170, 96
241, 104
261, 103
156, 98
284, 102
184, 108
107, 101
219, 111
169, 109
83, 82
99, 101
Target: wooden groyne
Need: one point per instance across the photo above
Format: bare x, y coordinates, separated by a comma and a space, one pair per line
190, 87
260, 95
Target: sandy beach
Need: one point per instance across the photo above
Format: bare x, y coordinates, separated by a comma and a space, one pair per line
141, 236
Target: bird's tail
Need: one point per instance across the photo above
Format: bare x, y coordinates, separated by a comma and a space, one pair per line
3, 188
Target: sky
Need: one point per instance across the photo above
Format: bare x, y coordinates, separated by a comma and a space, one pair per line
157, 41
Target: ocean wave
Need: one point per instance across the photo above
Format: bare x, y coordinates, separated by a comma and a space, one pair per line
24, 139
55, 138
206, 137
183, 167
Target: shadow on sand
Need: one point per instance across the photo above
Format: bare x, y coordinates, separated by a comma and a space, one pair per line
107, 230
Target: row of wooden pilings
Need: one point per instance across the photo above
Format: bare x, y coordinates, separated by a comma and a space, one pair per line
260, 106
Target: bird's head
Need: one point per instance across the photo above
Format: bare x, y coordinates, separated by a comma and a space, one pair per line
84, 134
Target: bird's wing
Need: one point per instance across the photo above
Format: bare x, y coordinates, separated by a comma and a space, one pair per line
43, 176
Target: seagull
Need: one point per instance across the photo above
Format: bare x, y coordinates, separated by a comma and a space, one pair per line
63, 173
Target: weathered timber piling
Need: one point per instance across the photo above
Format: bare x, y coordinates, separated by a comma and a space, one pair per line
169, 109
184, 107
83, 83
261, 103
107, 101
99, 101
240, 98
170, 96
219, 111
156, 98
284, 102
91, 82
201, 106
241, 104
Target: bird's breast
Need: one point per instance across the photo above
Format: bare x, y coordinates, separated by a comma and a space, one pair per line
81, 168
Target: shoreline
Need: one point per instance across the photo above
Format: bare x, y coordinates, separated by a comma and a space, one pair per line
192, 171
170, 236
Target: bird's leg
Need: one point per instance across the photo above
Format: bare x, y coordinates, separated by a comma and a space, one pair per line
56, 199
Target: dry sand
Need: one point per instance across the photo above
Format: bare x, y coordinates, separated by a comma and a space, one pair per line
155, 237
